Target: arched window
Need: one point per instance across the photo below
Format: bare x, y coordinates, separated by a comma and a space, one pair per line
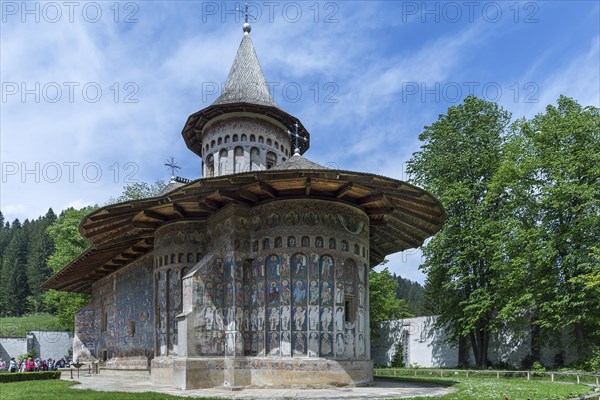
261, 139
332, 244
206, 147
190, 257
344, 245
269, 142
198, 257
222, 161
238, 158
291, 241
278, 242
252, 138
305, 242
266, 244
212, 143
254, 159
319, 242
219, 141
227, 139
271, 160
276, 144
210, 166
180, 258
286, 152
244, 137
173, 259
235, 138
166, 260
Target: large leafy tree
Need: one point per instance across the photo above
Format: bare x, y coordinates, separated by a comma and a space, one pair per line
68, 244
551, 179
460, 154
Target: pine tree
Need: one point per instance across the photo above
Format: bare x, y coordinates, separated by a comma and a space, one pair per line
14, 279
41, 246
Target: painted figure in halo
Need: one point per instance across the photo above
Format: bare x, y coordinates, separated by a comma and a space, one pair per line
339, 345
285, 265
260, 315
313, 318
326, 263
273, 292
299, 293
339, 294
326, 317
273, 265
285, 291
313, 293
299, 264
326, 297
260, 293
299, 317
274, 343
274, 318
313, 344
299, 343
285, 318
286, 345
326, 344
339, 318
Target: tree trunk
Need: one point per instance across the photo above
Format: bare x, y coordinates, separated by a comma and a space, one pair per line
581, 339
534, 344
480, 342
463, 352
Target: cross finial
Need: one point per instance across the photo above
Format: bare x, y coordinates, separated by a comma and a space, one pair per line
246, 27
172, 166
297, 138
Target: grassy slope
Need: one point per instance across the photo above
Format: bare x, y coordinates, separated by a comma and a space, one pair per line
17, 326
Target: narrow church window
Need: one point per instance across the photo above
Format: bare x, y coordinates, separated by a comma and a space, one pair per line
198, 257
166, 259
271, 159
332, 244
349, 314
173, 259
235, 138
319, 242
222, 161
104, 318
261, 139
254, 158
278, 242
266, 244
276, 144
227, 138
210, 166
180, 258
244, 137
212, 144
269, 142
291, 241
344, 245
190, 257
219, 141
238, 157
282, 149
132, 328
252, 138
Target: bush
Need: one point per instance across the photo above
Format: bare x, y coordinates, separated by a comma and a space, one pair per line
29, 376
538, 369
398, 359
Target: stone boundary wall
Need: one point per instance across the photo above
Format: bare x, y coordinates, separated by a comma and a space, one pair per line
427, 347
45, 344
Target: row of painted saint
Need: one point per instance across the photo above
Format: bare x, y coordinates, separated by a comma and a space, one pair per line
278, 318
284, 344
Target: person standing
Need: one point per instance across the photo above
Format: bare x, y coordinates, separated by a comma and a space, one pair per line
12, 366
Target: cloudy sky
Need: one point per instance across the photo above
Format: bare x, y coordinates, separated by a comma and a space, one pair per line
95, 94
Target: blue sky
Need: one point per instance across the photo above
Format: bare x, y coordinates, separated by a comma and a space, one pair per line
95, 94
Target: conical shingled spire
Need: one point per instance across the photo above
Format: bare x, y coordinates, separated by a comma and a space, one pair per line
246, 82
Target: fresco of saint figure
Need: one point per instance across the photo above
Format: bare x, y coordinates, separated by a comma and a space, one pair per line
299, 293
313, 292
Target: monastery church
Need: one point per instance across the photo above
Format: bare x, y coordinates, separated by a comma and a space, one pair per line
255, 274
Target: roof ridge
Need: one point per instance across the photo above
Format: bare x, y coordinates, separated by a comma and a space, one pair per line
246, 82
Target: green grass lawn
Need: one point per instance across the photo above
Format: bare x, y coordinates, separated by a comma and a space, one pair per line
57, 389
481, 388
17, 326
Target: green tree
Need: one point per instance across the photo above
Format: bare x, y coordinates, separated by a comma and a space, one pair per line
14, 280
39, 249
138, 190
384, 305
457, 161
551, 179
68, 244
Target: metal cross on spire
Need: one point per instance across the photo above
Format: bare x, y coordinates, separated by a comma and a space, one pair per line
171, 165
297, 138
246, 27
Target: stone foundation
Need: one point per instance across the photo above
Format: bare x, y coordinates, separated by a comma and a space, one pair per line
202, 372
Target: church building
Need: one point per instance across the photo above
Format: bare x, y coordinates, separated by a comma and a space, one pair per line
257, 273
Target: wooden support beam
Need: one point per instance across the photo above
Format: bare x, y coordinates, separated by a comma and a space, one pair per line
154, 215
248, 195
374, 198
379, 211
307, 185
341, 192
179, 210
211, 204
269, 189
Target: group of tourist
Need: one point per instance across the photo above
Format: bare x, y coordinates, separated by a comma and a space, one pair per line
31, 365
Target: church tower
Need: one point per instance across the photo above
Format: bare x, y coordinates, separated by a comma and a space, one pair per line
244, 130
